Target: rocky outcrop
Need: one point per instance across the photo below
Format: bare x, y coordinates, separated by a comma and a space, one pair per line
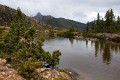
7, 72
53, 74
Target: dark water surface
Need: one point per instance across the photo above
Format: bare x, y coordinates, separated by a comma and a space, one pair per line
92, 60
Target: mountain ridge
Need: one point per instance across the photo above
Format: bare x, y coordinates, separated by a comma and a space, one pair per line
7, 15
59, 22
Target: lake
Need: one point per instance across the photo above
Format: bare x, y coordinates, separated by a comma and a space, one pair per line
91, 60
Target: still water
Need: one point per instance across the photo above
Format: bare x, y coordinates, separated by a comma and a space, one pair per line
91, 60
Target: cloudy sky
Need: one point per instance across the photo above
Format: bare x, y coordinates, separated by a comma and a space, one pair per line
79, 10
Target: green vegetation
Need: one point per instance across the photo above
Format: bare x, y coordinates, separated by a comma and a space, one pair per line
8, 15
23, 50
108, 24
107, 28
70, 33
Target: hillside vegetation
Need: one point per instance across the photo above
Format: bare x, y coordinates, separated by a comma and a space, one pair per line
21, 48
61, 23
8, 15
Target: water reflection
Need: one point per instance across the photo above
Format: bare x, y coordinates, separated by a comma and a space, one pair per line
87, 58
71, 40
86, 43
105, 49
106, 54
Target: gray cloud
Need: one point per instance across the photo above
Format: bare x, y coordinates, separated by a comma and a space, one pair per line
79, 10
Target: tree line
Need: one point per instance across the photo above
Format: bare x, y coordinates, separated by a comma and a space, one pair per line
109, 24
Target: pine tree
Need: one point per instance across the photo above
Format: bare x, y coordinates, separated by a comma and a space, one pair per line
110, 20
98, 24
108, 24
112, 17
23, 49
87, 27
118, 24
107, 19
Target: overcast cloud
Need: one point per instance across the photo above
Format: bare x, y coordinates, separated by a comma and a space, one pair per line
79, 10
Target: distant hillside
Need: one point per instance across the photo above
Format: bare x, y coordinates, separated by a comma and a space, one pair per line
59, 22
7, 15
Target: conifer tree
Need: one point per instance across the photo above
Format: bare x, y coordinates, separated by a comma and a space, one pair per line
87, 27
118, 23
110, 20
21, 48
98, 24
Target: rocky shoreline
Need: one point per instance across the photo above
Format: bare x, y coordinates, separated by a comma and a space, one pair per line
8, 73
107, 37
53, 74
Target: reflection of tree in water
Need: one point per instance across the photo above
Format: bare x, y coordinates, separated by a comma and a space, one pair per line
115, 48
96, 48
71, 40
102, 46
106, 54
106, 49
92, 43
86, 43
